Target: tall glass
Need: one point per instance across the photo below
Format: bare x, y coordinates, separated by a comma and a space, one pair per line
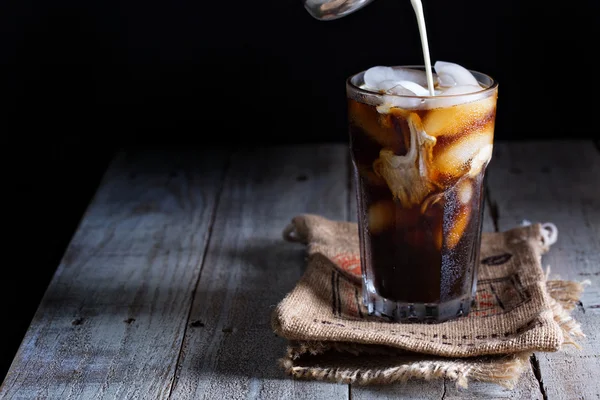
419, 166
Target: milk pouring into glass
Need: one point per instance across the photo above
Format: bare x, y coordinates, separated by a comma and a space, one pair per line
333, 9
420, 140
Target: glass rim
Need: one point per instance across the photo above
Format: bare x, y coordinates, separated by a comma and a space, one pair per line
493, 86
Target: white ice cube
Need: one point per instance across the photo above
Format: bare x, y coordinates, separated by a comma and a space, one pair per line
413, 75
455, 159
387, 85
408, 88
377, 77
451, 74
403, 88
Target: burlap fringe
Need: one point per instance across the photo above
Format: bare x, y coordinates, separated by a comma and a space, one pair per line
505, 373
564, 297
567, 293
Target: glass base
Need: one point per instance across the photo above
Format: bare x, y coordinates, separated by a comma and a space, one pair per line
417, 312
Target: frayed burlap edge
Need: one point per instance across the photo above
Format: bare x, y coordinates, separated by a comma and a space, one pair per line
564, 297
502, 370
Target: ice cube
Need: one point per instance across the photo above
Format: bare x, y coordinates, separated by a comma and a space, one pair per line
387, 85
403, 88
381, 216
454, 158
413, 75
451, 74
375, 76
458, 118
445, 80
376, 125
458, 227
481, 159
408, 88
464, 191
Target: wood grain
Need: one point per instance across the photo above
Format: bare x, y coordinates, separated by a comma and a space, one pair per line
559, 182
231, 352
112, 320
145, 305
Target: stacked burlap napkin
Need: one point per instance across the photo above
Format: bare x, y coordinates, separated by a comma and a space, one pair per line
331, 336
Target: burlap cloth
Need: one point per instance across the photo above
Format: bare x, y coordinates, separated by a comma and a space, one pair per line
517, 310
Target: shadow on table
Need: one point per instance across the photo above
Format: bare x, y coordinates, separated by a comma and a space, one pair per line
239, 294
138, 312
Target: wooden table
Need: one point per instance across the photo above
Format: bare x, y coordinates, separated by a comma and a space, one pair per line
166, 289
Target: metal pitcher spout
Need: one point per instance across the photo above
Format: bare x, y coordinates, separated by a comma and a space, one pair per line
327, 10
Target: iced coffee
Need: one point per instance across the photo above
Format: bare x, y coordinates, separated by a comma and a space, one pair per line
419, 164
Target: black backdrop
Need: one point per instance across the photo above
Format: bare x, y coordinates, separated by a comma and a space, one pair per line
80, 78
264, 70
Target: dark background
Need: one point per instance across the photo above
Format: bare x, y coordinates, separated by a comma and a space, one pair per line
79, 79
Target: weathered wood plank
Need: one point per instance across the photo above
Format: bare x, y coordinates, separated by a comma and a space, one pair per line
559, 182
413, 390
112, 320
230, 351
527, 388
556, 182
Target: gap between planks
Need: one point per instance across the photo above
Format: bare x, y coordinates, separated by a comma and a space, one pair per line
113, 312
207, 244
553, 181
494, 214
249, 268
